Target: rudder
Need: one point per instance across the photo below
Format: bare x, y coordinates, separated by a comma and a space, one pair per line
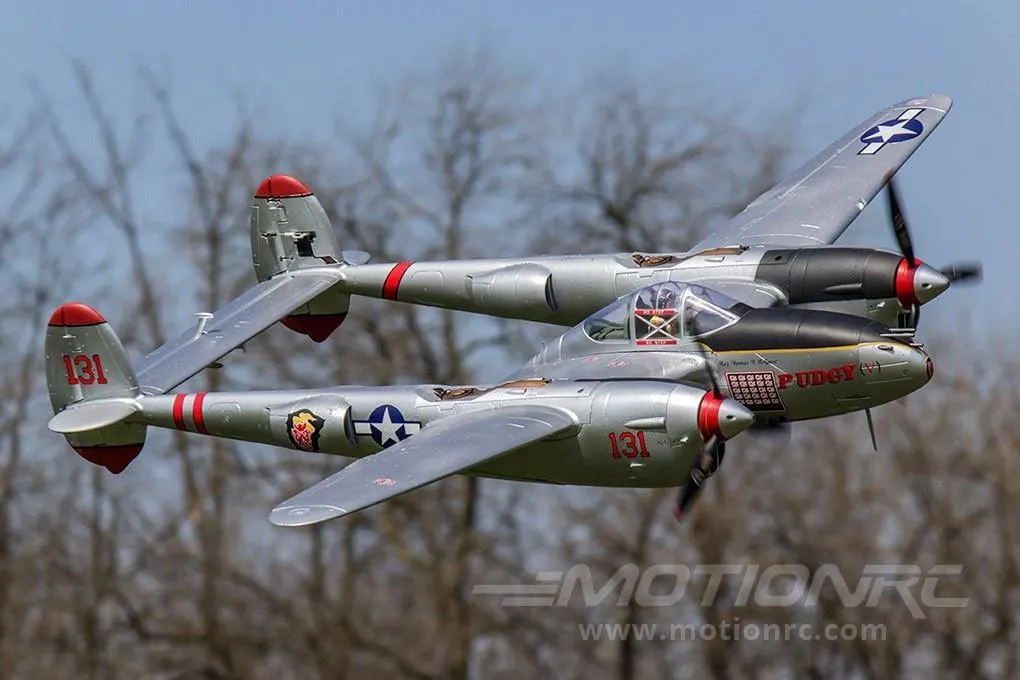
92, 387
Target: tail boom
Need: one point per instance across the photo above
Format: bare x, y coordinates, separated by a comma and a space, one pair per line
297, 420
103, 415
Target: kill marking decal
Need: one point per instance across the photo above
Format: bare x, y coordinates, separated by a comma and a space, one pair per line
757, 390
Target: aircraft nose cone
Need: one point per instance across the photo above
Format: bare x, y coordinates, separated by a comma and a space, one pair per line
916, 371
895, 367
929, 283
734, 418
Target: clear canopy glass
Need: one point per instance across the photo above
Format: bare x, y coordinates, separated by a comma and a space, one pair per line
665, 313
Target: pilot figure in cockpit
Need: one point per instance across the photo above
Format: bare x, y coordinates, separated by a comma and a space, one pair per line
666, 301
671, 327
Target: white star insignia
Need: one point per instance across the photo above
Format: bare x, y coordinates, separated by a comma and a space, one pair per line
387, 428
885, 132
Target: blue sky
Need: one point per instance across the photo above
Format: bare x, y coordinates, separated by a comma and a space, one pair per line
304, 60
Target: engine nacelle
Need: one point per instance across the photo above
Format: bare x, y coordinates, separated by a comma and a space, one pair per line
832, 274
526, 288
875, 284
653, 425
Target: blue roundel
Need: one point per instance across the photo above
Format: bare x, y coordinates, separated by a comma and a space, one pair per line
892, 131
386, 411
387, 425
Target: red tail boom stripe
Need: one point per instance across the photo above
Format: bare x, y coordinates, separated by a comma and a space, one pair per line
392, 283
178, 411
196, 413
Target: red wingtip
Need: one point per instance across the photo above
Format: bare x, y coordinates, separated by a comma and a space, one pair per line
113, 458
282, 186
75, 314
318, 327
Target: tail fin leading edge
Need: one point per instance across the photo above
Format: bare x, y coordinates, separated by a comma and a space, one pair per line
92, 388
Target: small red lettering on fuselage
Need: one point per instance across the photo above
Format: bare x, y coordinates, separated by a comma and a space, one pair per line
817, 377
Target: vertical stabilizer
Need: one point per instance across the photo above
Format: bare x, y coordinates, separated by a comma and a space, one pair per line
290, 230
92, 387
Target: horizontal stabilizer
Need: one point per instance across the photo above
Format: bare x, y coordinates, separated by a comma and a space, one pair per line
231, 326
355, 257
93, 415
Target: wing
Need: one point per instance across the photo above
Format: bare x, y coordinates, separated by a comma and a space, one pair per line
230, 326
441, 449
819, 201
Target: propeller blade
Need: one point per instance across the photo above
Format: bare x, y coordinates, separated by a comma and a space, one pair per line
899, 223
685, 500
955, 273
715, 383
963, 271
711, 458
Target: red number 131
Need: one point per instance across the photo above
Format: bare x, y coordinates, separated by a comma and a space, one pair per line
628, 445
81, 368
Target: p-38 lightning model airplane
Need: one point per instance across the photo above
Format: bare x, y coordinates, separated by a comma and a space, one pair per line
627, 398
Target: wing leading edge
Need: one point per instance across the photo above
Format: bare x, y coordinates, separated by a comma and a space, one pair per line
232, 325
816, 204
441, 449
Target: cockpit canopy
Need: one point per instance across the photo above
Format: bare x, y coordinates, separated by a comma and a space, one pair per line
666, 313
